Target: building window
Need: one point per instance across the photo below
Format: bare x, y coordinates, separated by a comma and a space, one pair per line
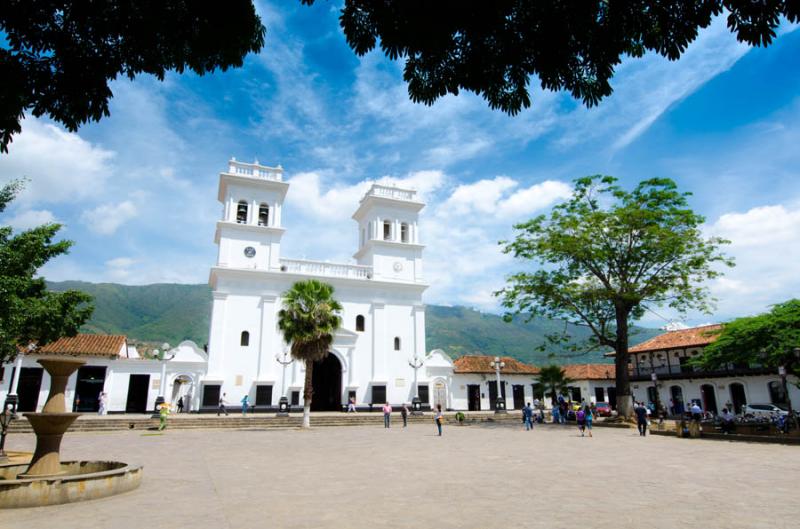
387, 230
360, 323
776, 393
404, 232
424, 394
263, 215
245, 339
575, 394
295, 398
379, 394
211, 395
264, 395
396, 343
241, 212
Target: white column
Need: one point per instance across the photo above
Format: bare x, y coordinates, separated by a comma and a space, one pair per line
12, 390
162, 385
378, 341
350, 366
419, 330
266, 350
216, 340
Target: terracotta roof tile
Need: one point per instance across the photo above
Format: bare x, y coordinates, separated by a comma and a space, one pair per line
590, 371
481, 364
108, 345
694, 337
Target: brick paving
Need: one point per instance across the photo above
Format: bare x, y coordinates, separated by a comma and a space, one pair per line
473, 476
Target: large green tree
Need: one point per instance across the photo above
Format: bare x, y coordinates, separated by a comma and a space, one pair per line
308, 320
770, 339
57, 57
606, 254
493, 48
29, 313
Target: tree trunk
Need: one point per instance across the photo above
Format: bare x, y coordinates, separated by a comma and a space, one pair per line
308, 393
622, 382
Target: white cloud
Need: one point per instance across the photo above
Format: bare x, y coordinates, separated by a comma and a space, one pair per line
31, 218
107, 218
765, 241
60, 165
495, 198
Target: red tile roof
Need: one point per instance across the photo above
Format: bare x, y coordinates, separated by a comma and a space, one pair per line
590, 371
107, 345
694, 337
481, 364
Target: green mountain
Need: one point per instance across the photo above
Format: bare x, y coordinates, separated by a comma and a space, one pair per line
173, 312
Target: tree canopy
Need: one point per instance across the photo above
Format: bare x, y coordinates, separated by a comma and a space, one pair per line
29, 313
606, 254
308, 320
493, 48
57, 57
768, 339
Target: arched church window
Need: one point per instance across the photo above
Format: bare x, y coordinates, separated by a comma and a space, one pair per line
360, 323
263, 215
241, 212
396, 343
245, 339
404, 232
387, 230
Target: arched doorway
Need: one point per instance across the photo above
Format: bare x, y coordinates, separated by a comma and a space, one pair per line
709, 398
738, 397
676, 395
180, 390
440, 393
327, 383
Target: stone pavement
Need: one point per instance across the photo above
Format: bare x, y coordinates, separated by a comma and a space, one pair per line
472, 477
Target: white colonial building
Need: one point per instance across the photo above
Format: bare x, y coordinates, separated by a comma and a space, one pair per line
381, 294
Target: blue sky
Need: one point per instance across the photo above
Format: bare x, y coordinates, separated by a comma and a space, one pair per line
137, 192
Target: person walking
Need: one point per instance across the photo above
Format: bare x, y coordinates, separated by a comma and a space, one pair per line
387, 415
527, 417
404, 414
439, 418
641, 418
580, 420
589, 419
102, 400
555, 415
180, 405
245, 405
222, 404
163, 413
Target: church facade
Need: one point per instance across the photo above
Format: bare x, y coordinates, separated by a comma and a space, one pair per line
383, 317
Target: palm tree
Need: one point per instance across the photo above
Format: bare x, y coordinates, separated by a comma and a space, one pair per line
308, 320
553, 381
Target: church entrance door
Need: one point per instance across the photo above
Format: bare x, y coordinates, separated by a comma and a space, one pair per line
327, 383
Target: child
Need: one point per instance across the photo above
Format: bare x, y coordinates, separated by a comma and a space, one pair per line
580, 418
439, 417
163, 413
589, 419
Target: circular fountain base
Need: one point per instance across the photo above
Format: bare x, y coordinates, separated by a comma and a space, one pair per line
77, 481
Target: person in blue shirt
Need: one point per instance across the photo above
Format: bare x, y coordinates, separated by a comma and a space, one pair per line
641, 418
245, 405
527, 416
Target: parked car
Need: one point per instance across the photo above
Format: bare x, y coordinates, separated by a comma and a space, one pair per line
603, 409
762, 410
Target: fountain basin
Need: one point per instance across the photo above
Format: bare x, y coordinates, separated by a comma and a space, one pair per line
77, 481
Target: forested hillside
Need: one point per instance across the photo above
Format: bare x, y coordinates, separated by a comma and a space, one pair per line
173, 312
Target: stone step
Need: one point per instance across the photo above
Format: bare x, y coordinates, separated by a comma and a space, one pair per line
116, 424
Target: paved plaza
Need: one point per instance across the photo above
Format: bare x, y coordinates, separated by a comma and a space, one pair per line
472, 477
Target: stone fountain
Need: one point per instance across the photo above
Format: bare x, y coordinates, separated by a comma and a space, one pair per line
49, 481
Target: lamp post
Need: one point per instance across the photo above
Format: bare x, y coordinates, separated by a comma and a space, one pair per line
500, 402
654, 378
283, 403
794, 360
416, 404
162, 355
6, 417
